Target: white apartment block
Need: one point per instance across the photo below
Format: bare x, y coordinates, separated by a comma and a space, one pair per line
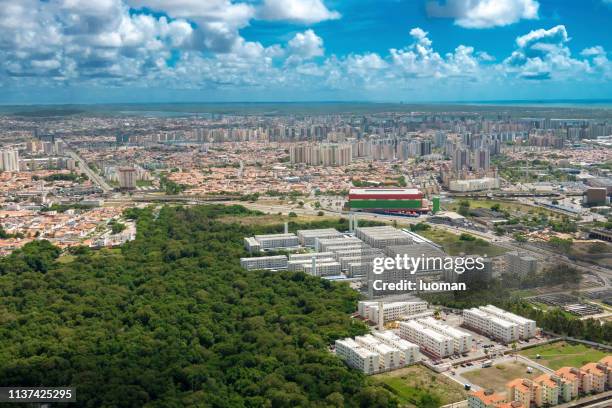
9, 160
428, 340
309, 237
330, 268
264, 262
357, 356
491, 326
409, 352
527, 327
321, 244
251, 244
310, 255
299, 265
358, 250
391, 310
382, 237
462, 341
271, 241
345, 261
421, 315
355, 269
347, 247
389, 356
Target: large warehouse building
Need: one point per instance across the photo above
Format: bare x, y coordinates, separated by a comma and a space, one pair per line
393, 200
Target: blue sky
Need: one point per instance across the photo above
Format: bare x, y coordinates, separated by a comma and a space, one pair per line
82, 51
383, 24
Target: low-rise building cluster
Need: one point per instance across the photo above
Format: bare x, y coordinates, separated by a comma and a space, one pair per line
392, 311
336, 253
377, 352
498, 324
271, 242
547, 390
436, 338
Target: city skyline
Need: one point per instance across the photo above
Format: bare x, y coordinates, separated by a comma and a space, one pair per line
118, 51
306, 203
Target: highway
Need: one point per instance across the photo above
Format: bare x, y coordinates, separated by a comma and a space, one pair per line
84, 167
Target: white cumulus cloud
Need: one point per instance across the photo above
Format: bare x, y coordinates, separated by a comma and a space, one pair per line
305, 45
300, 11
484, 13
544, 54
198, 45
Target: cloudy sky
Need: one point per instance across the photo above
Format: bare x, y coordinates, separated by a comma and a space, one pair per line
87, 51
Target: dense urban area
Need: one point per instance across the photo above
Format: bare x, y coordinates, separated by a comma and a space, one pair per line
177, 255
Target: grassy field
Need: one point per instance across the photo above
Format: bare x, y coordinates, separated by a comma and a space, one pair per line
498, 376
509, 206
144, 183
562, 354
412, 385
273, 219
454, 246
582, 250
525, 292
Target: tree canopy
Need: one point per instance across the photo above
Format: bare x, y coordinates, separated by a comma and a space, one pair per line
171, 320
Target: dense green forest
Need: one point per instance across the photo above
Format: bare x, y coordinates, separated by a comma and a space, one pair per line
171, 320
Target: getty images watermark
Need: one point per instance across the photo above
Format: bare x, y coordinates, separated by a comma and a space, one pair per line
400, 265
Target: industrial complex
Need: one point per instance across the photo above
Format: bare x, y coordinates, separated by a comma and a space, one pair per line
407, 201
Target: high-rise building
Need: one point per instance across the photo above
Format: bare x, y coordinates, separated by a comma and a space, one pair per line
383, 149
326, 154
297, 154
9, 160
482, 159
596, 196
461, 159
403, 152
127, 178
425, 147
440, 139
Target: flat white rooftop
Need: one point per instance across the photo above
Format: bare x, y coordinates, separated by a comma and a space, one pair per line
425, 330
395, 339
353, 345
449, 330
271, 236
317, 232
506, 315
384, 191
261, 258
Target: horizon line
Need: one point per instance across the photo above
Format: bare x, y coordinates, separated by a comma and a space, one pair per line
433, 102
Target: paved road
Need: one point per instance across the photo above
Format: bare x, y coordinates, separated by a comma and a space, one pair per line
603, 400
93, 176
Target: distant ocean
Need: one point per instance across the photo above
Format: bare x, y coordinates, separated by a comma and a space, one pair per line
553, 103
160, 113
560, 108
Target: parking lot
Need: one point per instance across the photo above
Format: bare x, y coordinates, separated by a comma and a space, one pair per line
495, 376
483, 348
